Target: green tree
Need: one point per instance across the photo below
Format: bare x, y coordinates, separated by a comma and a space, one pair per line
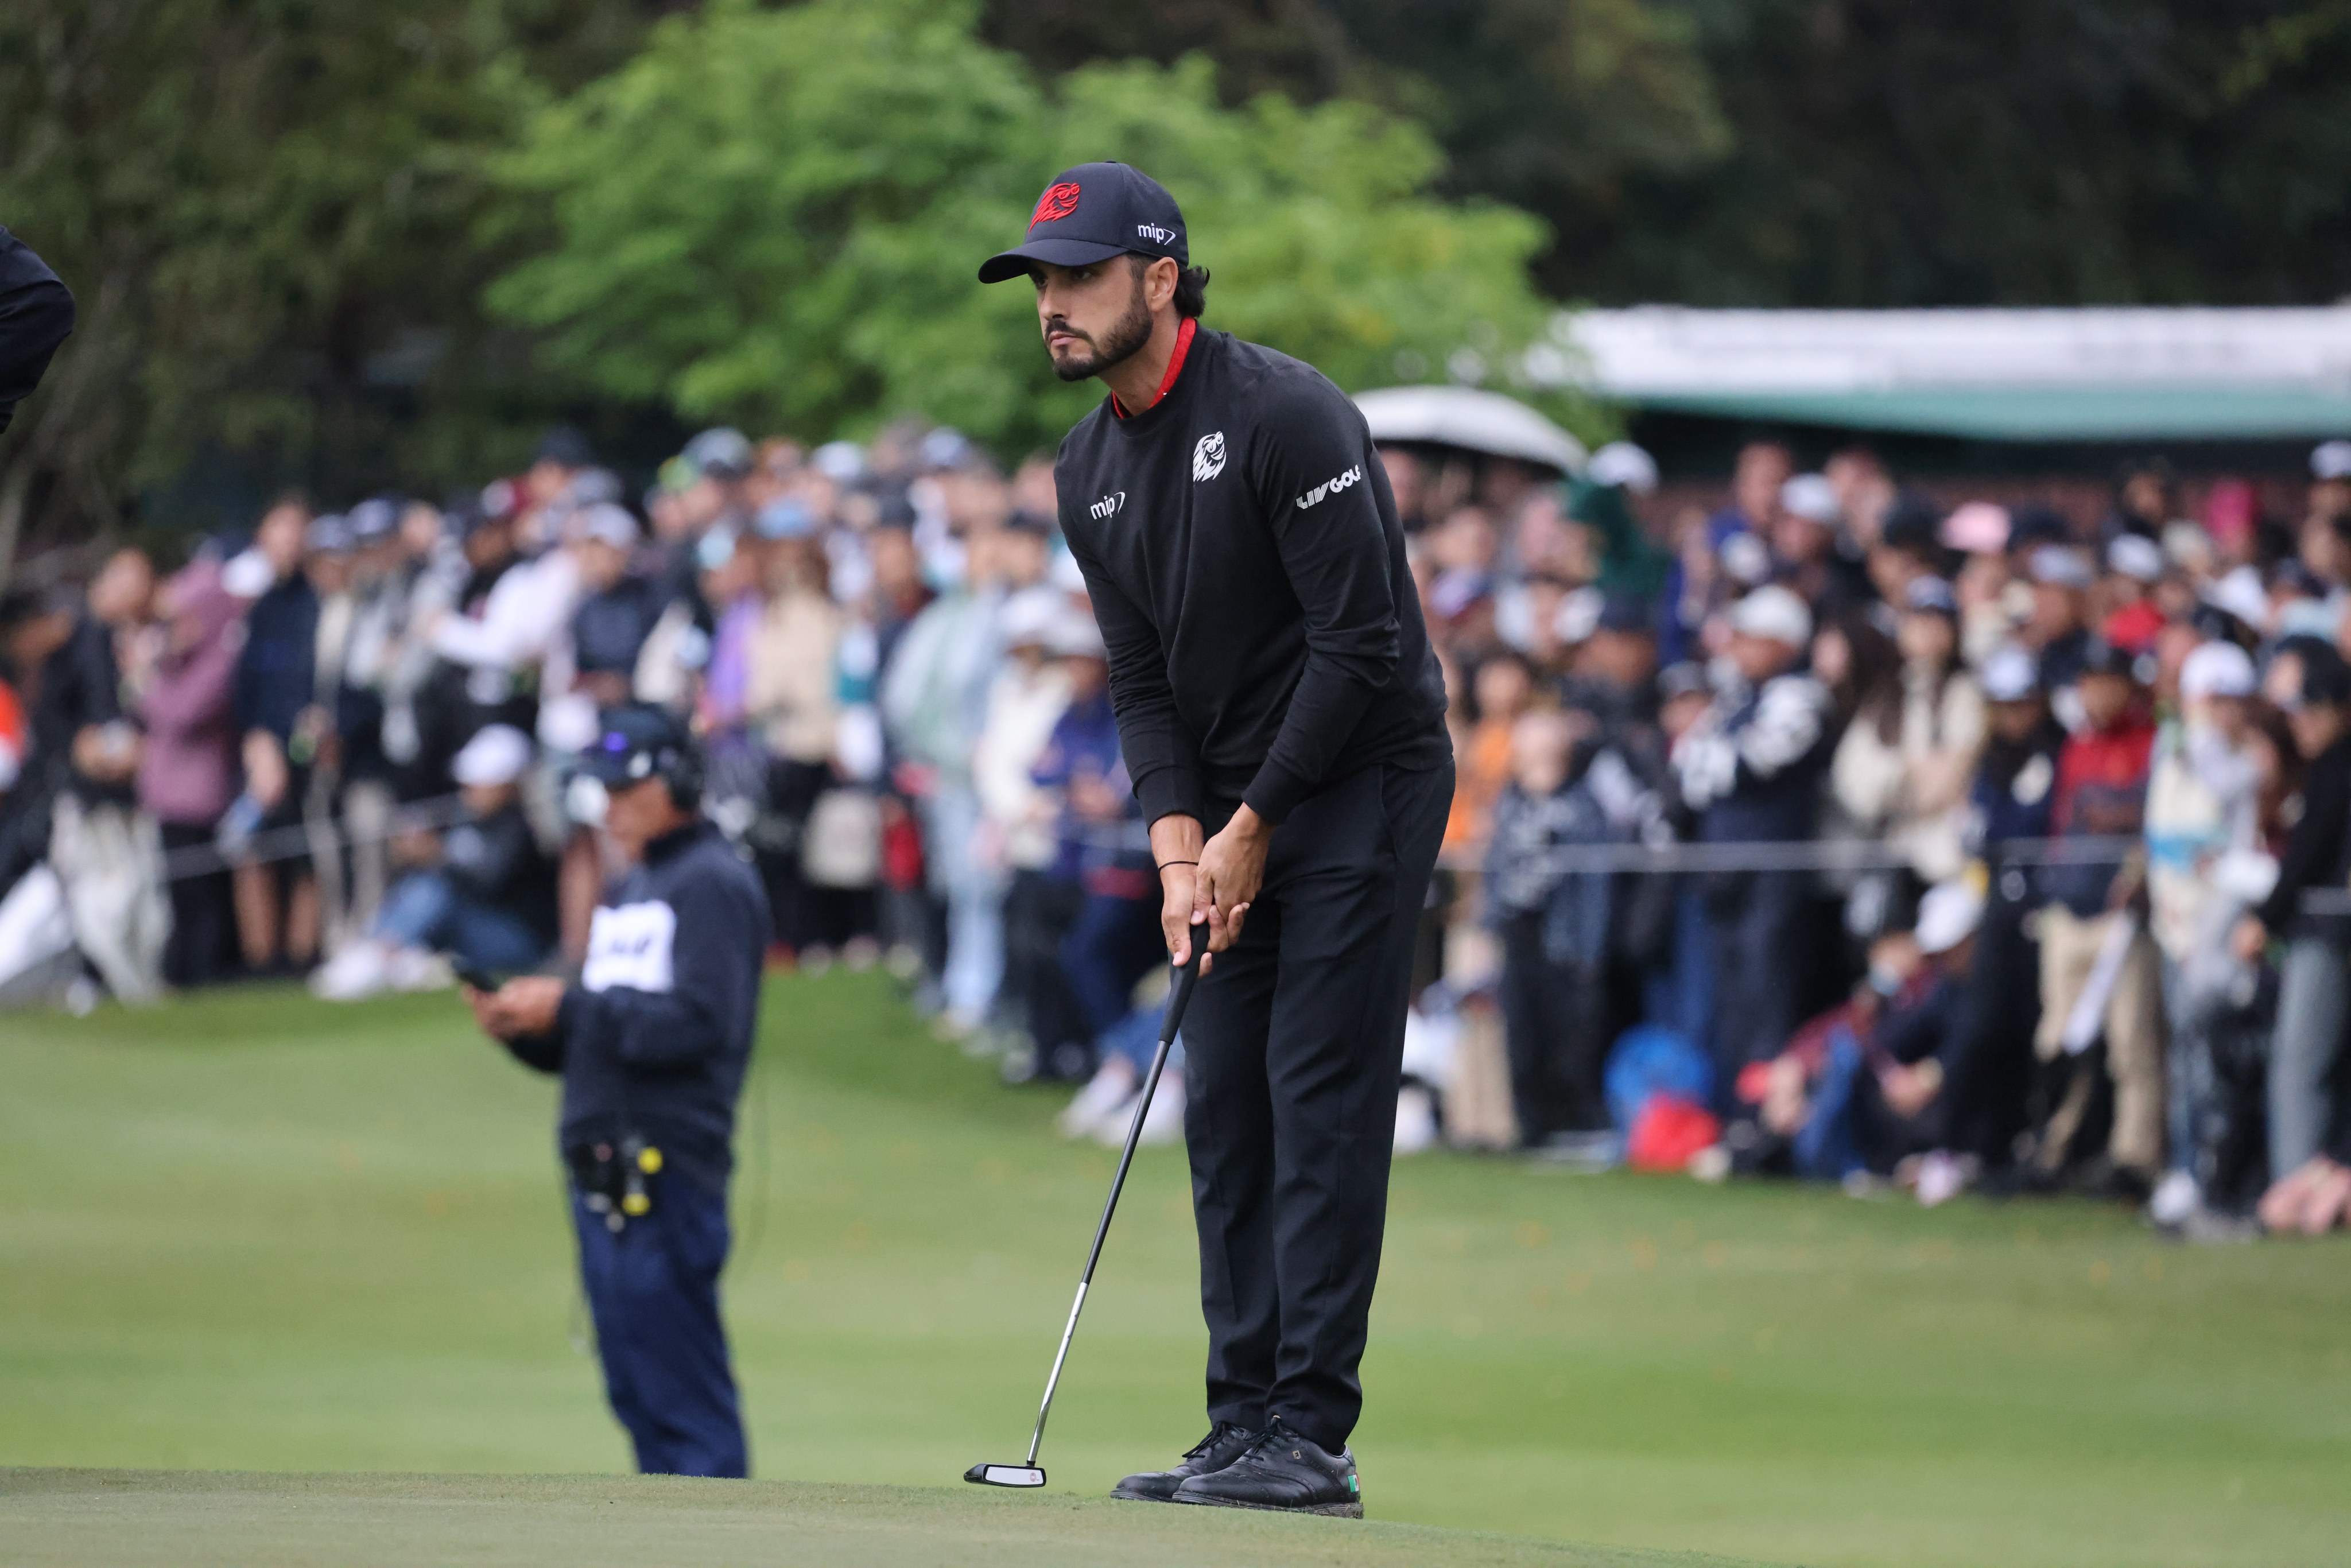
266, 210
1554, 106
773, 218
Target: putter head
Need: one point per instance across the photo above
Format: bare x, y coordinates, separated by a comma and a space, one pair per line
986, 1475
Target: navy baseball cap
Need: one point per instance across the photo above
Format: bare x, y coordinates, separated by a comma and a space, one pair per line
638, 741
1091, 213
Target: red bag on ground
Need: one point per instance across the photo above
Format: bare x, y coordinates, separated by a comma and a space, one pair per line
1667, 1132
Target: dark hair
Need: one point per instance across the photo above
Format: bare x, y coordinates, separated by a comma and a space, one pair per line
1191, 284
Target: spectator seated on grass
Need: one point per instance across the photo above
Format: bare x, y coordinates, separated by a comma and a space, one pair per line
1861, 1089
480, 893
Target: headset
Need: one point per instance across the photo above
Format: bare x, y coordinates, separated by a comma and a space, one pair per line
679, 766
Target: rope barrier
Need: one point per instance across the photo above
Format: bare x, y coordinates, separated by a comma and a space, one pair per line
296, 839
1844, 855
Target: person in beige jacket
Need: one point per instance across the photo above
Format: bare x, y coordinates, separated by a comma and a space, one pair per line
791, 701
1902, 769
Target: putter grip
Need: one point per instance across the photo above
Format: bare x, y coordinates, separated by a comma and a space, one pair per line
1186, 976
1199, 934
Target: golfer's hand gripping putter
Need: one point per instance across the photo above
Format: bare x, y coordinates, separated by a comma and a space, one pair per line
1028, 1473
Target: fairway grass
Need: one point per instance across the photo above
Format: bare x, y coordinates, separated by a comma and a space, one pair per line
253, 1232
101, 1519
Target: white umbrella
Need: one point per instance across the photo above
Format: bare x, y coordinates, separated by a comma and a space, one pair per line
1466, 417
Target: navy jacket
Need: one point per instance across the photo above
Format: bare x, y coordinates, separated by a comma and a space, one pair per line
656, 1036
276, 675
1753, 767
37, 313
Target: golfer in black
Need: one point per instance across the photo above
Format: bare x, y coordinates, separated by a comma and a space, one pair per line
1283, 719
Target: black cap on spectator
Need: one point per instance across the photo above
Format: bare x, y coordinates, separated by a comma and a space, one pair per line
2211, 620
465, 516
1628, 613
2100, 657
18, 606
1914, 524
1025, 522
2292, 576
2325, 678
564, 446
2034, 523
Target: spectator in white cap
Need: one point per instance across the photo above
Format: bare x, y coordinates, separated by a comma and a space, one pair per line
1866, 1086
2330, 482
479, 892
2124, 608
2010, 800
1025, 701
1804, 544
1625, 466
1941, 1047
617, 607
1750, 768
2203, 871
2324, 540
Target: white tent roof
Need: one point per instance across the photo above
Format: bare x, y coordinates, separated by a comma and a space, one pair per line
1466, 417
2086, 374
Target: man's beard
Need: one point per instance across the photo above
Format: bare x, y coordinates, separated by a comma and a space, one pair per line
1122, 342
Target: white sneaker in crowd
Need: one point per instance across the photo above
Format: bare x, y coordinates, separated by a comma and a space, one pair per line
2176, 1198
1162, 1124
1942, 1176
1415, 1127
1112, 1086
414, 969
359, 971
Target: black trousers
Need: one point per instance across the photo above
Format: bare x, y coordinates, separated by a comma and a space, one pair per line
1293, 1048
202, 948
1760, 943
1554, 1019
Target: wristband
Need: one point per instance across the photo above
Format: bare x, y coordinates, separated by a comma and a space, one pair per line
1164, 864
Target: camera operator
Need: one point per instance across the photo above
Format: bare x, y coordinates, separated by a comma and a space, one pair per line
653, 1042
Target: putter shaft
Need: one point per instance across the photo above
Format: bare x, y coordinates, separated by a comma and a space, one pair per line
1186, 979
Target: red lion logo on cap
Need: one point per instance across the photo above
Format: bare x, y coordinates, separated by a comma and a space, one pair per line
1058, 201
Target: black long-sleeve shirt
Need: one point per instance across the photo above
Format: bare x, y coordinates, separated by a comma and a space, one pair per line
2318, 850
1247, 565
656, 1036
37, 313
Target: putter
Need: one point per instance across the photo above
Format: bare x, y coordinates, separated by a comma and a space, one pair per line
1028, 1473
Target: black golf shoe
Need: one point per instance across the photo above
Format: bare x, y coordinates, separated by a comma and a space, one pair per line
1225, 1443
1284, 1472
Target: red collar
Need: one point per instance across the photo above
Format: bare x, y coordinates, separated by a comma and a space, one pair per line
1174, 369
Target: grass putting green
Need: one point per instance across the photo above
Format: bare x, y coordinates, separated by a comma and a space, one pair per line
85, 1519
252, 1232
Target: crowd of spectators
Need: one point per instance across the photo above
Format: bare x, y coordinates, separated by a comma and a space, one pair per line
1835, 833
